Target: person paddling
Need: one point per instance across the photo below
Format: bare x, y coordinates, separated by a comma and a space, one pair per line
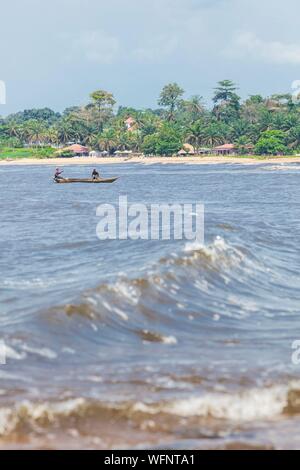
95, 174
57, 174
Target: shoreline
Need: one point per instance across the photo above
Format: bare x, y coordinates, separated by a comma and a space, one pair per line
211, 160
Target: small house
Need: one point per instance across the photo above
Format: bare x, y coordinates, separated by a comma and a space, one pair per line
130, 124
78, 150
226, 149
187, 149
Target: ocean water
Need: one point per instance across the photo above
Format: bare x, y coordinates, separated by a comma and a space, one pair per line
150, 344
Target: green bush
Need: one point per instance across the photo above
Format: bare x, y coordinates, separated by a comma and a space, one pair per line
166, 141
16, 153
272, 143
65, 154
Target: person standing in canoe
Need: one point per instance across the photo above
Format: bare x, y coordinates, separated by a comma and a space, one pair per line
95, 174
57, 173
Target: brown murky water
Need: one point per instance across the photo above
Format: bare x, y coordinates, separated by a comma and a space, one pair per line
149, 344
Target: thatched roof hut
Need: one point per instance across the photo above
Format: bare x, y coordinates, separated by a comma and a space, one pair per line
189, 149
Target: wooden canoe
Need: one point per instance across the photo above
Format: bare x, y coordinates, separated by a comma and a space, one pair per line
85, 180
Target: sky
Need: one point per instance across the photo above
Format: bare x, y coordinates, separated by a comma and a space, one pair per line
55, 53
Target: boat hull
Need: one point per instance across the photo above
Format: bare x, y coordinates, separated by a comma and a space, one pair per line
85, 180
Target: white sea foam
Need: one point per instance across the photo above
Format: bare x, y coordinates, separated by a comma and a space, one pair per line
11, 353
43, 352
250, 405
36, 283
218, 244
169, 340
219, 255
30, 412
128, 291
254, 404
193, 246
107, 306
215, 249
121, 314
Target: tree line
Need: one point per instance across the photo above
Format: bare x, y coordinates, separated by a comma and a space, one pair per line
265, 125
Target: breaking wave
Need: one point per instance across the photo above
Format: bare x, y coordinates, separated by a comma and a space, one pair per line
160, 304
177, 284
249, 405
254, 404
195, 269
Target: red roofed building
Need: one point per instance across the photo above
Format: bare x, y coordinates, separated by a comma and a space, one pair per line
226, 149
130, 123
78, 150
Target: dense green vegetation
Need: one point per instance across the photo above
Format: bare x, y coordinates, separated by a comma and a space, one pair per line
263, 126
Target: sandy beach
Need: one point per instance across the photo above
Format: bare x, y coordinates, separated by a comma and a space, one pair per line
94, 161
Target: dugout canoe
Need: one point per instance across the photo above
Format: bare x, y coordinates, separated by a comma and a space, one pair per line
85, 180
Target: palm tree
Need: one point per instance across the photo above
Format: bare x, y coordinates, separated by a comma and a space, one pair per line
15, 129
122, 139
266, 121
244, 144
52, 135
294, 137
148, 123
108, 140
35, 132
135, 140
239, 128
65, 131
195, 106
213, 135
195, 135
89, 138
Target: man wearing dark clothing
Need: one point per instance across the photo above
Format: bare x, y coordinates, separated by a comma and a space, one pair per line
95, 174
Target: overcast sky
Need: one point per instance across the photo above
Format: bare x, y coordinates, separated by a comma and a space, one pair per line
54, 53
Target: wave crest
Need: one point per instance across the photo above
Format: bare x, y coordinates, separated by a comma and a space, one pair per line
251, 405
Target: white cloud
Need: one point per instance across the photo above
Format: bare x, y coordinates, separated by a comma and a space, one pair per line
156, 49
152, 41
248, 44
96, 46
